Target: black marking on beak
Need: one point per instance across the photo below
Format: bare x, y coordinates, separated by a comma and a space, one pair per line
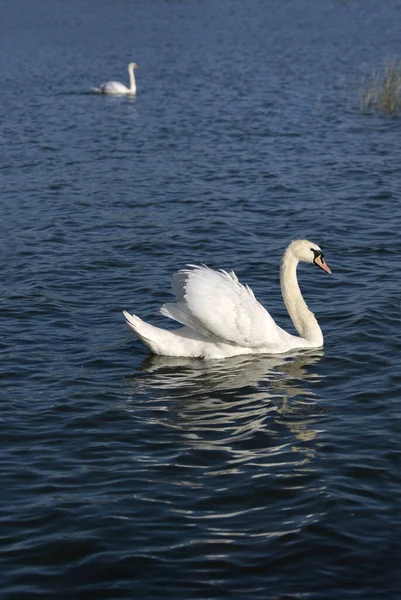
318, 254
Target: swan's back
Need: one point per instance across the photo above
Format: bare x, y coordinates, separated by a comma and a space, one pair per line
113, 87
216, 305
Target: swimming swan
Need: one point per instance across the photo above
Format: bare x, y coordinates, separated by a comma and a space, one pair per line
222, 317
115, 88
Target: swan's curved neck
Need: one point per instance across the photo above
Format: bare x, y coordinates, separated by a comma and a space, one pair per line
304, 320
132, 82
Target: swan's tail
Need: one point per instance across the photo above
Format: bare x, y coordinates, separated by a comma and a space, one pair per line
143, 330
179, 342
160, 341
98, 90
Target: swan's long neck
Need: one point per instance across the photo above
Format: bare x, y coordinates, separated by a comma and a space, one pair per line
132, 82
304, 320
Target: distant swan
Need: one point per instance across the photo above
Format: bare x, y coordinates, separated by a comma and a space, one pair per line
115, 88
223, 318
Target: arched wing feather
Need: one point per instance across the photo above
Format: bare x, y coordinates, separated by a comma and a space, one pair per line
217, 305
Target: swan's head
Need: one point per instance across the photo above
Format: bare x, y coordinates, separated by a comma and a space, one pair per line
310, 253
133, 66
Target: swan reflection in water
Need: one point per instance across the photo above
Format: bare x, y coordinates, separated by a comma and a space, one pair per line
219, 403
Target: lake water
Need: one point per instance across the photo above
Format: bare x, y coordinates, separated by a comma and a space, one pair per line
124, 476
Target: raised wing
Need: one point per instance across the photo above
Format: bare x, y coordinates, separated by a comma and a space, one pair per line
218, 306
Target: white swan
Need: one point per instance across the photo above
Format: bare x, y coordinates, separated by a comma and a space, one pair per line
117, 89
223, 318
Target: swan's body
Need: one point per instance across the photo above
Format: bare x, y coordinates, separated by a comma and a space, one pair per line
115, 88
222, 317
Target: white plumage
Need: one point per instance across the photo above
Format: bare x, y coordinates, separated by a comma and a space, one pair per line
222, 317
217, 305
115, 88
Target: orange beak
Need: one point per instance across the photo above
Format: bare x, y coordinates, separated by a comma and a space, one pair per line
319, 261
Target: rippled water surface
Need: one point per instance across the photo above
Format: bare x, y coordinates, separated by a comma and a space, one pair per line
126, 476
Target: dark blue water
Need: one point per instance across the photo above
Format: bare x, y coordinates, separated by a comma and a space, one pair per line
124, 476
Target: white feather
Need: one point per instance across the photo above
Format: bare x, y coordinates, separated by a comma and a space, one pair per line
216, 304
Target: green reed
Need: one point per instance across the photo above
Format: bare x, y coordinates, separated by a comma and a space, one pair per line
382, 89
